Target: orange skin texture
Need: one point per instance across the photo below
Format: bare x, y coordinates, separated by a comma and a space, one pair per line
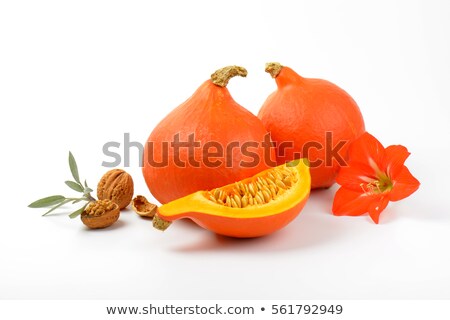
302, 110
210, 114
243, 227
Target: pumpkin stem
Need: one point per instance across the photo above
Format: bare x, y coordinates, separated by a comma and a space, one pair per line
222, 76
160, 224
273, 68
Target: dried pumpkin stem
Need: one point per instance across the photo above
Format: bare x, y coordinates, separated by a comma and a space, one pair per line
160, 224
222, 76
273, 68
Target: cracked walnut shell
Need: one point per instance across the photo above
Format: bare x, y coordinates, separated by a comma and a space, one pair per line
116, 185
143, 208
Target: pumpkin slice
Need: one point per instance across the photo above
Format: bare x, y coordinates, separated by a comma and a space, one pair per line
252, 207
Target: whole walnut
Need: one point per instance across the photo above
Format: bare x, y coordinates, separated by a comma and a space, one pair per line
116, 185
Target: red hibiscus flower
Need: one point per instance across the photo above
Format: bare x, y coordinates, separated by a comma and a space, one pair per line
374, 176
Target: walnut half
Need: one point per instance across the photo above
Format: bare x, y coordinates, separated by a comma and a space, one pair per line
100, 214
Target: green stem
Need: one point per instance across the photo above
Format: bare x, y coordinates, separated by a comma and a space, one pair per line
90, 198
67, 201
57, 206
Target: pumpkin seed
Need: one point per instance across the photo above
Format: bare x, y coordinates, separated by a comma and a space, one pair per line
261, 196
259, 185
266, 195
237, 199
244, 201
278, 175
273, 191
270, 177
260, 190
287, 181
281, 184
251, 189
258, 200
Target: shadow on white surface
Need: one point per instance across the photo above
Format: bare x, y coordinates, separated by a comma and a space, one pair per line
315, 226
118, 224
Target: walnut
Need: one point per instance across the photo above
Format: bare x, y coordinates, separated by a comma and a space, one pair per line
143, 208
116, 185
100, 214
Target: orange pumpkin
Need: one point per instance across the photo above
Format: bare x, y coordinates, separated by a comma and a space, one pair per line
223, 143
311, 118
253, 207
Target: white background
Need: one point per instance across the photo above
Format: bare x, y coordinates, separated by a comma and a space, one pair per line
75, 75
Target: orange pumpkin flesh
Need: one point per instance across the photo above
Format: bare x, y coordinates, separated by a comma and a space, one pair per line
301, 111
214, 119
253, 220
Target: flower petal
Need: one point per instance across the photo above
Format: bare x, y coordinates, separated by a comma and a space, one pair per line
394, 159
367, 150
353, 176
377, 207
350, 203
404, 185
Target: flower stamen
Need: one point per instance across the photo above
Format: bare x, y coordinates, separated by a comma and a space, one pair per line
375, 187
362, 187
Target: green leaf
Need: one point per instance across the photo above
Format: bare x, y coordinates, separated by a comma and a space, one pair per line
78, 212
73, 167
47, 202
88, 190
57, 206
78, 200
74, 186
85, 184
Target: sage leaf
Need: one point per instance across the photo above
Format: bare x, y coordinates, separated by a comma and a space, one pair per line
54, 202
87, 190
73, 167
47, 202
74, 186
78, 212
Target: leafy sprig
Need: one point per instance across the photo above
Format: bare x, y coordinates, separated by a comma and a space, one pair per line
54, 202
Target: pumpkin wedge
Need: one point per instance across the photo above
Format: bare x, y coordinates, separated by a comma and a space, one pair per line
252, 207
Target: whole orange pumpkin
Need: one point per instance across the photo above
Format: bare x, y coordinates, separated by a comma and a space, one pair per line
311, 118
206, 142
